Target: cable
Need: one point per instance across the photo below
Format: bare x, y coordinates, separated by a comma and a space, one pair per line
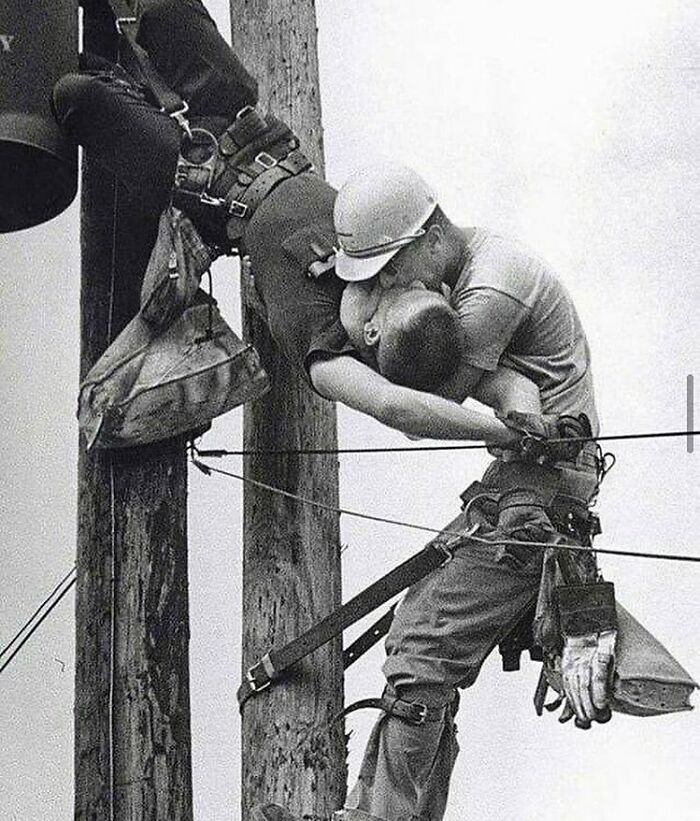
36, 612
218, 453
207, 470
38, 624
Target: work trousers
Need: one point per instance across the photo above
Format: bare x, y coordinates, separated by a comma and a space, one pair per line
119, 125
444, 629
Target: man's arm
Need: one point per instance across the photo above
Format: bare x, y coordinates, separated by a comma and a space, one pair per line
506, 390
503, 389
345, 379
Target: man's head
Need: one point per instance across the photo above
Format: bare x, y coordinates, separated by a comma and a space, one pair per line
388, 222
414, 333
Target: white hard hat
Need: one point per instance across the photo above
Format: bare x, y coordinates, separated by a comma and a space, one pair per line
378, 211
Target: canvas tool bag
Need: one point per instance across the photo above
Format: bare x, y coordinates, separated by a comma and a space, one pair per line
149, 386
175, 268
647, 679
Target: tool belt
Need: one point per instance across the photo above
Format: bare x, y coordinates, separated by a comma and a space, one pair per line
564, 493
226, 179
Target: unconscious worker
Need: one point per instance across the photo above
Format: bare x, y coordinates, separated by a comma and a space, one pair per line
243, 180
281, 215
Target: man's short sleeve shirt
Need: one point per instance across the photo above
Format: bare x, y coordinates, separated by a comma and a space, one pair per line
516, 312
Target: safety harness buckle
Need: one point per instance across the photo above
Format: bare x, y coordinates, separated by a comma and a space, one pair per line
181, 119
207, 199
448, 548
422, 714
266, 160
256, 685
247, 109
237, 208
120, 21
449, 555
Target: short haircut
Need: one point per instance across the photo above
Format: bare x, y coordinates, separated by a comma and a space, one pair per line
421, 342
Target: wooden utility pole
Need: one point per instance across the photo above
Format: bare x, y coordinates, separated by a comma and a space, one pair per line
132, 725
291, 572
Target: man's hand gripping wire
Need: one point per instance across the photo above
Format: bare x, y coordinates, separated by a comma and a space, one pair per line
547, 438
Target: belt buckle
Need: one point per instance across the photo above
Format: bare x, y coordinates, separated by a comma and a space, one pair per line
254, 686
237, 209
422, 714
266, 160
207, 199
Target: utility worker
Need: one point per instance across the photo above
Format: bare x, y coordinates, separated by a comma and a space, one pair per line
396, 241
512, 308
114, 118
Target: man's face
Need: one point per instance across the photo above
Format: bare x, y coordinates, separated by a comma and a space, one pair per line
364, 308
423, 260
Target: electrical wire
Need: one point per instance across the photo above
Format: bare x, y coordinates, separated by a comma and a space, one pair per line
38, 610
208, 469
220, 452
38, 623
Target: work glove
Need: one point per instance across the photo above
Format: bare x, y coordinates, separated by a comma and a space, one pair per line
537, 432
589, 630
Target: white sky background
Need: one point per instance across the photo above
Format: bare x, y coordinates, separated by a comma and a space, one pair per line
571, 126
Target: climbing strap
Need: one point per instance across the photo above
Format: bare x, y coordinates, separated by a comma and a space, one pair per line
412, 712
127, 21
276, 662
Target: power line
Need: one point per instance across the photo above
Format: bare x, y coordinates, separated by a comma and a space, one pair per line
38, 623
220, 452
207, 469
21, 630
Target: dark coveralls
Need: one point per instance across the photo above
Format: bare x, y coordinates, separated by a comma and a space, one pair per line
449, 622
112, 117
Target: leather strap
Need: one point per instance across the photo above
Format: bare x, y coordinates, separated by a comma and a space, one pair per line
369, 638
273, 664
242, 201
127, 21
412, 712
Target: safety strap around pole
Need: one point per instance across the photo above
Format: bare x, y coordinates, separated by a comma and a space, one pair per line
369, 638
276, 662
127, 22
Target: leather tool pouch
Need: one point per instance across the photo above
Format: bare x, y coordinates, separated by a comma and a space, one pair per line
648, 680
312, 249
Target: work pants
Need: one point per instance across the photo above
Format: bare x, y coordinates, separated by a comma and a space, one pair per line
117, 123
444, 629
114, 118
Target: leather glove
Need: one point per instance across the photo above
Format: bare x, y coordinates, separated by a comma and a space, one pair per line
538, 430
587, 664
589, 630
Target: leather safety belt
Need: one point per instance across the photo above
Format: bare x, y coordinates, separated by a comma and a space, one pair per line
272, 666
